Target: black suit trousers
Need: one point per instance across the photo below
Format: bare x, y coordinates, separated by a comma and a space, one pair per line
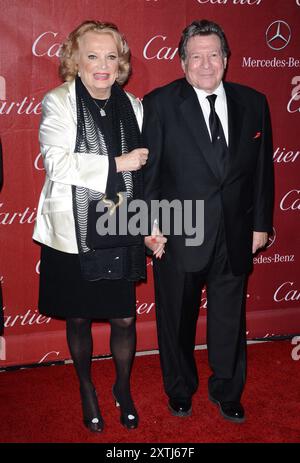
178, 296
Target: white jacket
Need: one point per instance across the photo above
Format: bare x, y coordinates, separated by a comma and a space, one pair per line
55, 224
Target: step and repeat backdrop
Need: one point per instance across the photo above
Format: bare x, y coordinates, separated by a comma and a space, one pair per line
265, 45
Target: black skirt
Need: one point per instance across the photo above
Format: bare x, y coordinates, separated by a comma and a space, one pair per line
64, 294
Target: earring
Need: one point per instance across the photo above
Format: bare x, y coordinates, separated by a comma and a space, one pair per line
78, 73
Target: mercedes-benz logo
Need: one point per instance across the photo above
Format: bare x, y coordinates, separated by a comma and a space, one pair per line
278, 35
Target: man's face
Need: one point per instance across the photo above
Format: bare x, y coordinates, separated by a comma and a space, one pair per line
204, 64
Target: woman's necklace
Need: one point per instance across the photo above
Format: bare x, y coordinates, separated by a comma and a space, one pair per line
102, 112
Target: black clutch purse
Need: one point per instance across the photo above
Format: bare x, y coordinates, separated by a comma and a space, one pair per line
108, 224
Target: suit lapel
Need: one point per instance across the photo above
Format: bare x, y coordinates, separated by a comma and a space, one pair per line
194, 119
236, 113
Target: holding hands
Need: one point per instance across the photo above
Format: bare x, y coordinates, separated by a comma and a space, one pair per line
135, 160
156, 241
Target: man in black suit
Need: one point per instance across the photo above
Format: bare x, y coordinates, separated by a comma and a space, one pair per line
217, 149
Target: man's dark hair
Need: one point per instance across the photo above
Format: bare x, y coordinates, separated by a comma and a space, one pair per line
202, 27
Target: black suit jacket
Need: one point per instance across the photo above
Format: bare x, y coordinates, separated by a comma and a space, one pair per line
181, 166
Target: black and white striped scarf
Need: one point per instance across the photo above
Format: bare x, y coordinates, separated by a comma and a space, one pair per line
91, 139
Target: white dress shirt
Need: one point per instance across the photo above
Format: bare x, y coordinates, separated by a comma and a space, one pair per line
220, 106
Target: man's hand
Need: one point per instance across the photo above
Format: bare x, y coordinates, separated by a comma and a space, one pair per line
156, 241
260, 239
156, 244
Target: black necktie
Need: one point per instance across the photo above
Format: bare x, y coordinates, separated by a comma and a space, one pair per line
217, 135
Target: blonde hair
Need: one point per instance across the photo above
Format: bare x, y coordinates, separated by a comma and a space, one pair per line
68, 68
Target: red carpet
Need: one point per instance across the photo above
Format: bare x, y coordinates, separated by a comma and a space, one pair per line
42, 404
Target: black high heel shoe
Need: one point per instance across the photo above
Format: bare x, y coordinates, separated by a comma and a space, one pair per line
129, 417
92, 420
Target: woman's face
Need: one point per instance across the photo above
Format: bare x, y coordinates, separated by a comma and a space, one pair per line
98, 63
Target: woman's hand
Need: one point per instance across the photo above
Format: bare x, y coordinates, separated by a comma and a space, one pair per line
133, 160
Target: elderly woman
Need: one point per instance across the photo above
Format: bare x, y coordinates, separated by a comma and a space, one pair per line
91, 145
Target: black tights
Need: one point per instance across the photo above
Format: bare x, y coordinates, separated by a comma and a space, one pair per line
122, 344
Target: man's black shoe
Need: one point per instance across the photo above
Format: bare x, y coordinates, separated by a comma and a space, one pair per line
232, 411
180, 407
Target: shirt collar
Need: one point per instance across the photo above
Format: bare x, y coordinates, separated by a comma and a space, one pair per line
219, 91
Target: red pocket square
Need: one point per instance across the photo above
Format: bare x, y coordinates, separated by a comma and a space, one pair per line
257, 135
